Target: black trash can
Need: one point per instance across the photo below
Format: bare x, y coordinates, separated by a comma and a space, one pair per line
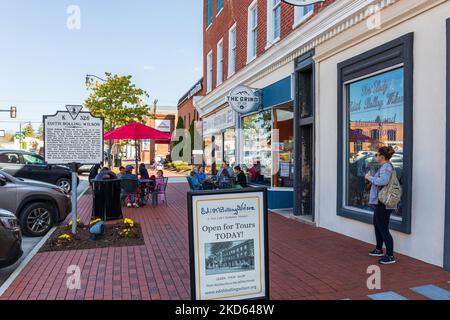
106, 202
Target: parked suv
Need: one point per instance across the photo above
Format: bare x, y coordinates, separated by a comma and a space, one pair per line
10, 239
37, 205
27, 165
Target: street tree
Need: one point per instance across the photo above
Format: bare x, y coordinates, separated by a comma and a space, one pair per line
28, 131
118, 101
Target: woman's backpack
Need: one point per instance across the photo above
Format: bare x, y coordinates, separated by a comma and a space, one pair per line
391, 194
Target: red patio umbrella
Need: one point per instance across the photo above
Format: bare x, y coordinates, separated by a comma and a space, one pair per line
137, 131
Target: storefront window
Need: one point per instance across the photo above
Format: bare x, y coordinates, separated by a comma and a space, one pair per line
229, 146
375, 115
283, 138
257, 143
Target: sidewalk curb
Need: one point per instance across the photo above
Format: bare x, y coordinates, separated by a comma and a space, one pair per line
30, 256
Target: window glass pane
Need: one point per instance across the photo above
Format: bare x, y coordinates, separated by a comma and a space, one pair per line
258, 145
209, 12
219, 5
376, 118
232, 62
283, 122
229, 146
9, 158
276, 22
30, 159
305, 95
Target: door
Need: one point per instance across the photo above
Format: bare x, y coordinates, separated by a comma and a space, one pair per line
35, 168
10, 163
305, 142
8, 196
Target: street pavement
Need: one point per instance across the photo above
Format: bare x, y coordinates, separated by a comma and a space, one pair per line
28, 244
305, 262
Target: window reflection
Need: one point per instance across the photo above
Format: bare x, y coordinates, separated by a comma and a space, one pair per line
376, 118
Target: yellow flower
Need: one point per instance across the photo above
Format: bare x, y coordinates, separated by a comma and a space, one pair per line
95, 221
128, 222
65, 237
70, 222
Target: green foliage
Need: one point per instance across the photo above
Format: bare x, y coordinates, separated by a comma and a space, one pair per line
29, 131
117, 100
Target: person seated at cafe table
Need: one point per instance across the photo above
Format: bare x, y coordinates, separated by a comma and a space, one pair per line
195, 183
200, 175
106, 174
241, 178
226, 167
224, 180
132, 199
143, 172
121, 172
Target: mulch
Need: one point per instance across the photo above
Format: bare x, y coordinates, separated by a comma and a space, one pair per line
84, 240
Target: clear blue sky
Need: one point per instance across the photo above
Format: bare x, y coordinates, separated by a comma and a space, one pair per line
43, 64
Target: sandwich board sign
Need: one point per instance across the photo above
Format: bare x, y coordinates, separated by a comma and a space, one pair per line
73, 136
228, 246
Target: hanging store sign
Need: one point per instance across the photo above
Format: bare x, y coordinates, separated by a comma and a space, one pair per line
244, 99
302, 3
228, 244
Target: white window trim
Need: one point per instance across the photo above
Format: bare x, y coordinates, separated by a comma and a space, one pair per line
219, 78
298, 21
253, 5
270, 26
231, 72
208, 68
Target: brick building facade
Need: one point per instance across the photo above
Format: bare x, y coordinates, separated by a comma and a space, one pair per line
185, 106
235, 14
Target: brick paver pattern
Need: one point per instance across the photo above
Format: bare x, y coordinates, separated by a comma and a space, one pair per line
305, 263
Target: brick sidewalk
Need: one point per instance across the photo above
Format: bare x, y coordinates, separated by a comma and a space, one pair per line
305, 263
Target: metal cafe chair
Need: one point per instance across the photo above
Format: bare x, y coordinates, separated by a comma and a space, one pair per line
129, 188
161, 190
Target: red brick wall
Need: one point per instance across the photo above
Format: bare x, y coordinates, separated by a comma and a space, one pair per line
186, 109
236, 11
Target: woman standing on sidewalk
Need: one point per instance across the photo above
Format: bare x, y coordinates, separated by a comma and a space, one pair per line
382, 215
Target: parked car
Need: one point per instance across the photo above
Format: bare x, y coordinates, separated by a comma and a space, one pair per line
85, 169
10, 239
27, 165
37, 205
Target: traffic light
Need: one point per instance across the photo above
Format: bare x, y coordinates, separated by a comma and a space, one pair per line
13, 112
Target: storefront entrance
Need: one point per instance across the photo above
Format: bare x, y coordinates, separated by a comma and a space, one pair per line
305, 146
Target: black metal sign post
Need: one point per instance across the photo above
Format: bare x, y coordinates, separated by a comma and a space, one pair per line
228, 244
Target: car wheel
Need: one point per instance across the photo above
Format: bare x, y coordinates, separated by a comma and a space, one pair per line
64, 183
36, 219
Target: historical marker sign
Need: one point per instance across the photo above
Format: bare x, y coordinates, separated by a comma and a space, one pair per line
228, 244
73, 136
